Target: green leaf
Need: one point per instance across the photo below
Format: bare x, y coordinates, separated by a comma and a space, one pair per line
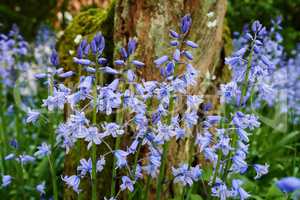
274, 193
195, 197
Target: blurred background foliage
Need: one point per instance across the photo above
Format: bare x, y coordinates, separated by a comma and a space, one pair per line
240, 12
30, 14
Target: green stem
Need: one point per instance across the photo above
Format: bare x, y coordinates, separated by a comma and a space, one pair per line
136, 157
119, 120
94, 147
147, 188
52, 143
114, 172
2, 128
245, 84
165, 153
53, 176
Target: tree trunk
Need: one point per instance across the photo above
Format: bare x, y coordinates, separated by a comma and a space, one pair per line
150, 21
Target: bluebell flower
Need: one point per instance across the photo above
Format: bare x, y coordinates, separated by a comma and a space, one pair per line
154, 159
138, 172
224, 144
25, 159
180, 133
228, 92
165, 133
121, 157
72, 181
127, 184
85, 167
260, 170
43, 150
32, 116
221, 191
176, 55
9, 156
182, 175
193, 101
288, 184
113, 129
130, 76
133, 146
93, 136
100, 164
190, 76
238, 191
210, 154
6, 180
108, 99
191, 118
213, 119
41, 188
239, 164
243, 135
196, 172
203, 140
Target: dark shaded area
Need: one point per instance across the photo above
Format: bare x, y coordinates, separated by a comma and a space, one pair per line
240, 12
27, 14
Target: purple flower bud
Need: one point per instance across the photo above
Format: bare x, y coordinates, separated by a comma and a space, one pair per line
256, 26
188, 55
174, 43
123, 53
90, 69
161, 60
138, 63
54, 58
119, 62
170, 68
66, 74
131, 46
176, 55
191, 44
174, 34
130, 76
40, 75
248, 37
102, 61
82, 61
109, 70
186, 23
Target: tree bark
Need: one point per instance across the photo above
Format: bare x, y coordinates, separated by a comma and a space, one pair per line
150, 21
